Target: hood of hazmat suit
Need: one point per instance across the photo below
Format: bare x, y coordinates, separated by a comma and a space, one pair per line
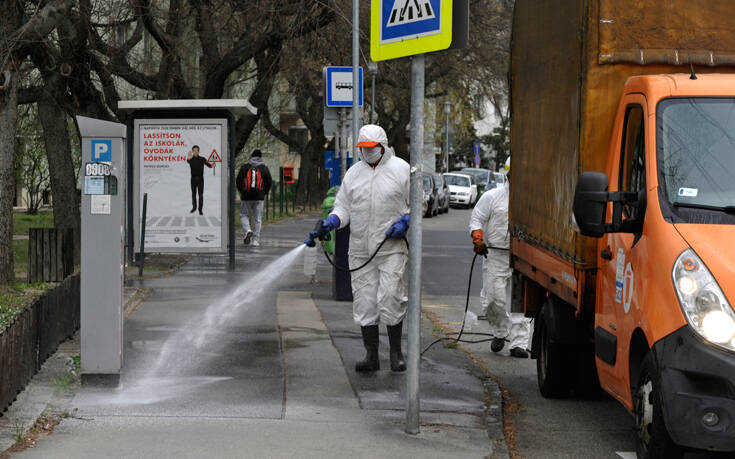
371, 199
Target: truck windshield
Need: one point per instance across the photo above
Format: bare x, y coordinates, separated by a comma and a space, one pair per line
696, 153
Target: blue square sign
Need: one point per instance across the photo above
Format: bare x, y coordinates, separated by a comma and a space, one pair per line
400, 28
102, 151
407, 19
338, 82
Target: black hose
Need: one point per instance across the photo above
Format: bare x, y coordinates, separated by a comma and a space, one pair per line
347, 270
459, 339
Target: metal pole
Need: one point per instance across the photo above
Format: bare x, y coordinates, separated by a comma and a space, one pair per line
142, 235
447, 108
280, 186
414, 239
342, 145
373, 69
231, 190
356, 88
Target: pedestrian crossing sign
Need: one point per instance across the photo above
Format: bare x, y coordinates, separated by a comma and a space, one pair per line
214, 157
401, 28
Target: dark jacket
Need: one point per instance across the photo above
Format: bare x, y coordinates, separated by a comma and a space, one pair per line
197, 163
254, 194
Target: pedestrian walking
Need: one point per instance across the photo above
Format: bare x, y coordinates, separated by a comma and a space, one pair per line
196, 165
491, 238
373, 200
253, 182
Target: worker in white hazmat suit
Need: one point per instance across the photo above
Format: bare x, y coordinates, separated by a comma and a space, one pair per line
491, 238
374, 201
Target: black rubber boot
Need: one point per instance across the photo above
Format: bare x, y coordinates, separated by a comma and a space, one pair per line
370, 338
396, 356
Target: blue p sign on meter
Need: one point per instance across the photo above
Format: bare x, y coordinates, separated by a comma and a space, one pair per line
401, 28
102, 151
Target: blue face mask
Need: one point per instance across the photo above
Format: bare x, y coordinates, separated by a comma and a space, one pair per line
372, 155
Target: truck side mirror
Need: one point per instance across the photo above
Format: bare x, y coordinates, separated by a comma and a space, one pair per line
590, 213
590, 207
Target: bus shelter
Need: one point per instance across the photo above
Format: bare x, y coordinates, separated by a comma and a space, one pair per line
163, 136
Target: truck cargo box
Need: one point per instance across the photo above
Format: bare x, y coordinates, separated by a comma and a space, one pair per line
569, 62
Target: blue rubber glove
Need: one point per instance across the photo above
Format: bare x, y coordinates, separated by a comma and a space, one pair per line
331, 223
399, 228
322, 230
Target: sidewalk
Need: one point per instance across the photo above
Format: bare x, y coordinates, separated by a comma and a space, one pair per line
271, 374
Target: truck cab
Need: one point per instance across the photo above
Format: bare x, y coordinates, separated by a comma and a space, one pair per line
664, 216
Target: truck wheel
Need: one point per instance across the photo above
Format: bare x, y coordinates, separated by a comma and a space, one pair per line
555, 377
653, 440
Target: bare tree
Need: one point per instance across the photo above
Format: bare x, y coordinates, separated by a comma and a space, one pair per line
31, 166
21, 27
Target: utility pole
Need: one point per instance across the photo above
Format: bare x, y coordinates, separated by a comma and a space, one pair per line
342, 144
414, 240
447, 109
373, 70
355, 71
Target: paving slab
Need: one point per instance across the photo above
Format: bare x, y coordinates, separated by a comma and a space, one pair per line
274, 378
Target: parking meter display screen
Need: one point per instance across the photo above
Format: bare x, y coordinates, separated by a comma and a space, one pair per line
180, 165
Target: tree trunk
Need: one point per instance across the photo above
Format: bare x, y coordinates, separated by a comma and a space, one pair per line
8, 123
58, 152
309, 189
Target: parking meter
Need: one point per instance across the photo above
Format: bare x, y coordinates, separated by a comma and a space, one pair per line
102, 268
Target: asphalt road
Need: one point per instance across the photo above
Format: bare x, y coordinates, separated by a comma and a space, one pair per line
541, 428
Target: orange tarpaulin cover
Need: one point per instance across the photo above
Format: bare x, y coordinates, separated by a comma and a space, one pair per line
569, 62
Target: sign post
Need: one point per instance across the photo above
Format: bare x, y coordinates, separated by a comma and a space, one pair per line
401, 28
338, 120
103, 196
214, 158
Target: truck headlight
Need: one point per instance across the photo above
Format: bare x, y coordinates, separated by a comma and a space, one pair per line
705, 306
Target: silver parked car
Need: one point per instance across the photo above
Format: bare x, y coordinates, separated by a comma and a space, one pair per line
442, 193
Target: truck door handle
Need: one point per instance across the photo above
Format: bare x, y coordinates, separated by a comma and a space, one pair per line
606, 254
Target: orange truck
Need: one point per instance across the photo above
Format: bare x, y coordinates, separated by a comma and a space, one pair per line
622, 209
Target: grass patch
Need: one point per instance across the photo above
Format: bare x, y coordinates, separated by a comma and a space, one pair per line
20, 259
19, 431
22, 222
14, 298
64, 381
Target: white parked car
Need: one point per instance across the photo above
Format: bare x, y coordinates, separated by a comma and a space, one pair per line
462, 189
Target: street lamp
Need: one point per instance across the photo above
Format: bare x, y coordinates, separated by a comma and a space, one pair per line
373, 71
447, 110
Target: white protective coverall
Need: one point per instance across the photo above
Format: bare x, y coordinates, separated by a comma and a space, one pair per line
491, 216
370, 200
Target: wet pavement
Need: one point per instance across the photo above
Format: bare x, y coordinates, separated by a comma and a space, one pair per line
271, 377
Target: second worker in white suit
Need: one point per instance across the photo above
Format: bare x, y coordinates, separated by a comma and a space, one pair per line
491, 238
373, 200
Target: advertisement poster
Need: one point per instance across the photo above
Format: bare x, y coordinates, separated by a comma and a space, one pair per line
181, 170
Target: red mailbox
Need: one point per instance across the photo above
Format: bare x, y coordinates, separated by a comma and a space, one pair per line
288, 176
